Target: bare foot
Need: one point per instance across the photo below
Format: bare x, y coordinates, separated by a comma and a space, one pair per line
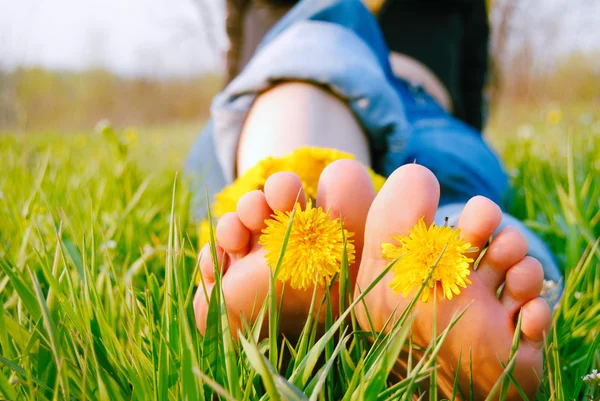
487, 327
345, 188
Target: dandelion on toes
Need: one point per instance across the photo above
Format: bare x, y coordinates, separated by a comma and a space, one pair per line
315, 247
307, 163
249, 242
483, 336
438, 250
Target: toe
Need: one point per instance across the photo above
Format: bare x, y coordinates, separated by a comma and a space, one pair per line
253, 210
507, 249
346, 189
207, 269
282, 190
232, 235
201, 301
412, 192
536, 322
478, 221
524, 282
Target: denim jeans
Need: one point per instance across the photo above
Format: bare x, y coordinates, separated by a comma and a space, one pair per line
337, 44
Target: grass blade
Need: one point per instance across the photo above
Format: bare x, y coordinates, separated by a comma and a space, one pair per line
261, 365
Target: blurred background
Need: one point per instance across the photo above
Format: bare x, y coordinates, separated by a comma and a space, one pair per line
66, 64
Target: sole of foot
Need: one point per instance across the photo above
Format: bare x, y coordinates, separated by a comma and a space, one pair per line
345, 189
484, 334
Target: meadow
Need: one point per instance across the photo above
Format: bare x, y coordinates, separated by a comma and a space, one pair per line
98, 254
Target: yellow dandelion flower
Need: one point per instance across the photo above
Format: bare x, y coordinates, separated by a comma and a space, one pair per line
373, 5
203, 239
253, 179
226, 200
270, 166
419, 251
554, 116
315, 247
308, 163
204, 233
130, 136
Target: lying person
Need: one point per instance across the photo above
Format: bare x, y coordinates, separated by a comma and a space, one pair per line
321, 78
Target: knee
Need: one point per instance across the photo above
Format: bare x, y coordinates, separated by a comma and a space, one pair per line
295, 114
296, 97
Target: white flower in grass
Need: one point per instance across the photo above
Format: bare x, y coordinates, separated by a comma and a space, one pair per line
592, 377
102, 125
586, 119
147, 250
551, 292
577, 295
525, 132
110, 244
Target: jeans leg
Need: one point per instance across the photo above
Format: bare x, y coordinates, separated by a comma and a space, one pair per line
462, 162
204, 172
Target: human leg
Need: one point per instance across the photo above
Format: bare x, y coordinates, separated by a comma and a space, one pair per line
450, 39
377, 114
305, 108
328, 43
297, 114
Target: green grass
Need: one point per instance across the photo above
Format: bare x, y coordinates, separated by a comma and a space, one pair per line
98, 251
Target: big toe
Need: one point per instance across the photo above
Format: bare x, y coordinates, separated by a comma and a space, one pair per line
411, 193
346, 190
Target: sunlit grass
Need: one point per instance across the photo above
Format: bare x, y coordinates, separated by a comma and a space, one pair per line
97, 259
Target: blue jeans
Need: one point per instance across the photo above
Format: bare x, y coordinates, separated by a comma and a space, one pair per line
337, 44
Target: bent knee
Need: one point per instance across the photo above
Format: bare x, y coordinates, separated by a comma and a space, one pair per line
297, 114
301, 101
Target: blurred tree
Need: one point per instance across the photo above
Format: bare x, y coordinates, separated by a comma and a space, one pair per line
530, 40
501, 14
205, 14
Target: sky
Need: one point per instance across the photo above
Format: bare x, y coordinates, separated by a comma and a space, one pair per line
168, 37
131, 37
